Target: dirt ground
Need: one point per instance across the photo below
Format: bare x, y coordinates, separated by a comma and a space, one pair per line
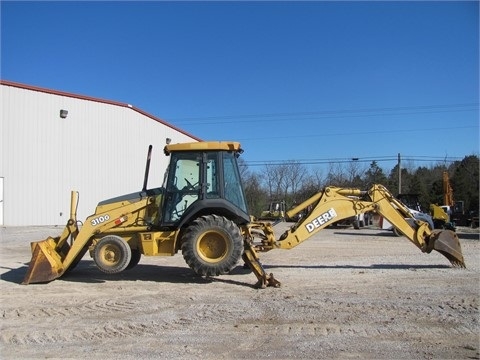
345, 293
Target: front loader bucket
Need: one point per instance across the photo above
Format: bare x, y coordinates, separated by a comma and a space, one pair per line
46, 263
446, 242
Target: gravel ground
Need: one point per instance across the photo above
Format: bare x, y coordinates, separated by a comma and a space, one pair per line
345, 294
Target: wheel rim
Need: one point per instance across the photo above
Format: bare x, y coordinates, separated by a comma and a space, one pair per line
212, 246
110, 255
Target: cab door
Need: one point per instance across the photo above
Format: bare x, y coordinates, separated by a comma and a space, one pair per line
183, 185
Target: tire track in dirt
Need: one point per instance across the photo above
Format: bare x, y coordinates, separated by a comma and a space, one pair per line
124, 329
456, 307
361, 330
67, 310
112, 329
171, 319
379, 318
69, 335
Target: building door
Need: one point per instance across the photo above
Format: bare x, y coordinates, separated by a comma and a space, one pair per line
1, 201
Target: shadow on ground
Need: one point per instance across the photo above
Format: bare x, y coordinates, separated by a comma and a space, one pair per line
87, 272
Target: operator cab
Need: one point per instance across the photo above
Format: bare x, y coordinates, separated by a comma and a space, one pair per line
203, 178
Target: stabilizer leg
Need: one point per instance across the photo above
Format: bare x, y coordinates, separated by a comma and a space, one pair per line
251, 259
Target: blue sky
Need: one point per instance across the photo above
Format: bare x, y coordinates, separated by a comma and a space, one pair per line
308, 81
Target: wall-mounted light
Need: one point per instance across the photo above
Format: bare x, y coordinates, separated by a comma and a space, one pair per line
63, 113
168, 140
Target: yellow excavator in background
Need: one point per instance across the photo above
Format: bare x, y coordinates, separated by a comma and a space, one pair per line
201, 211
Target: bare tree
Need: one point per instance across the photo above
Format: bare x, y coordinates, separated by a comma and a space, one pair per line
274, 179
318, 179
243, 167
312, 183
255, 194
336, 175
293, 182
283, 181
296, 174
355, 172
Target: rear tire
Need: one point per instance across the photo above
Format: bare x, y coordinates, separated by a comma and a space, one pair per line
212, 245
112, 254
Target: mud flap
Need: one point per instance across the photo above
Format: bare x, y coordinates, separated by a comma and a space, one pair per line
446, 242
46, 263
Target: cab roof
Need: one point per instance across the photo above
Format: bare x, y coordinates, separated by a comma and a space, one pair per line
204, 146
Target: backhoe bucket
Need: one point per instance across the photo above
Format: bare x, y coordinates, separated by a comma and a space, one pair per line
46, 263
446, 242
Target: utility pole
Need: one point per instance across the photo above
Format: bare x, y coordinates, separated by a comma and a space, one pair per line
399, 175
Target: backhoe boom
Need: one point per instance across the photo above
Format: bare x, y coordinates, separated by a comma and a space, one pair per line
334, 204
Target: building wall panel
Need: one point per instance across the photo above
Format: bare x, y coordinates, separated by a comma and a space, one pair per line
99, 150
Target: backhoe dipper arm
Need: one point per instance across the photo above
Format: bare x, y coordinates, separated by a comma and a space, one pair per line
446, 242
418, 232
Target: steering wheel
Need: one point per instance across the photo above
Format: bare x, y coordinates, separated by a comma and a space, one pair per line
189, 185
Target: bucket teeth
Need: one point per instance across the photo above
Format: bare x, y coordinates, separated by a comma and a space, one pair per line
446, 242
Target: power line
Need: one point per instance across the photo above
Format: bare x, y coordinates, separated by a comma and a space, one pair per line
418, 158
342, 113
343, 133
349, 159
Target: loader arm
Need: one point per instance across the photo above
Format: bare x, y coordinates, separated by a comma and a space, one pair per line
334, 204
52, 257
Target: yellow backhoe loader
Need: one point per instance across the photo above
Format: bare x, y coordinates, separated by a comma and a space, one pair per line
201, 211
274, 212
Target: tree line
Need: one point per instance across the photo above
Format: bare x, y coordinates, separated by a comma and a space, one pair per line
294, 182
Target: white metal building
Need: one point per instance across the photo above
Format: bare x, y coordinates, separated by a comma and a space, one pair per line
54, 142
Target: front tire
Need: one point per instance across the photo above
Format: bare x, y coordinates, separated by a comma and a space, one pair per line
212, 245
112, 254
